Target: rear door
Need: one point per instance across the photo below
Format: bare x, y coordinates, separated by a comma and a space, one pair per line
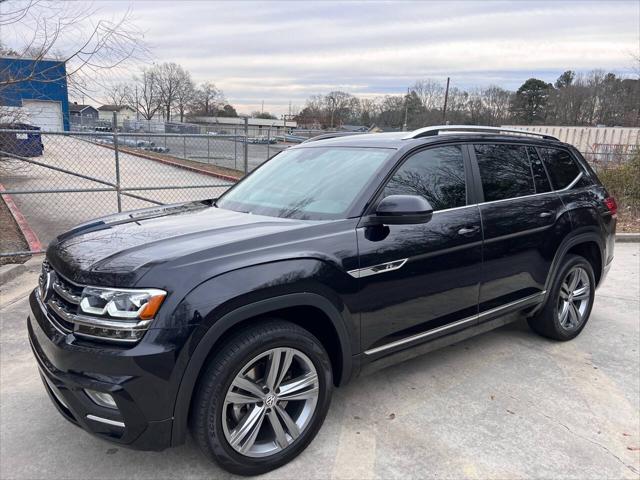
421, 281
522, 224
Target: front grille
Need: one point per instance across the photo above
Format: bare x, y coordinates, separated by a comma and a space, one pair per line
60, 296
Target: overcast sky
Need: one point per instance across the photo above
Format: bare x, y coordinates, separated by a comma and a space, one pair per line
286, 51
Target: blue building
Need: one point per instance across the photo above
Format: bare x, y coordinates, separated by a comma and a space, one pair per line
39, 88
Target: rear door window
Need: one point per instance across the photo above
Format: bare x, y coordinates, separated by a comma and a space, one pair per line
505, 171
561, 166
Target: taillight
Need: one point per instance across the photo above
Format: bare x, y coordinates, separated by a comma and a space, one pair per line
611, 205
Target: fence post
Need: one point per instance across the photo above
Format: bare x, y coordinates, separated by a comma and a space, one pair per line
268, 141
208, 149
117, 155
184, 147
235, 148
246, 145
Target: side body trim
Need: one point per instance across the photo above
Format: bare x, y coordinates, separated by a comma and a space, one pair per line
376, 269
451, 326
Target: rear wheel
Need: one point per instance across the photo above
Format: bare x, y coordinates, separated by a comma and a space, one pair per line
569, 301
263, 398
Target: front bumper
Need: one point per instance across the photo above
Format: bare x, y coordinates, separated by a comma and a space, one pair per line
138, 378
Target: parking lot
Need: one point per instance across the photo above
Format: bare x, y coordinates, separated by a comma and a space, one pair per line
508, 404
224, 151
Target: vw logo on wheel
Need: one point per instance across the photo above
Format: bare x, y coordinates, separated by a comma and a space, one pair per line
270, 400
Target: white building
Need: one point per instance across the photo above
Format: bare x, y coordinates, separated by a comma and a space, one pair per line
123, 112
258, 127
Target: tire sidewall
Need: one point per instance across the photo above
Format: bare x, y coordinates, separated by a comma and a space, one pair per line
570, 263
217, 442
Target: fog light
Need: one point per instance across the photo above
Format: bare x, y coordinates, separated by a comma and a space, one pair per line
101, 398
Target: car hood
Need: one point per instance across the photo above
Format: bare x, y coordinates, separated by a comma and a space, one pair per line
119, 249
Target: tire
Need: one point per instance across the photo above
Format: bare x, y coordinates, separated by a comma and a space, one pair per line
249, 355
568, 306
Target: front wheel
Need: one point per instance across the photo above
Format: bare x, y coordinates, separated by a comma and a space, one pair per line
262, 398
569, 302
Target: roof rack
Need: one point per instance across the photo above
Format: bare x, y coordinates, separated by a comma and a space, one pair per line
327, 136
436, 129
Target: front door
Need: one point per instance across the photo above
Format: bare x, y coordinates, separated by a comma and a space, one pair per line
418, 280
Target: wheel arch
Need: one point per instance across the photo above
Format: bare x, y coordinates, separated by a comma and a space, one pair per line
588, 244
324, 321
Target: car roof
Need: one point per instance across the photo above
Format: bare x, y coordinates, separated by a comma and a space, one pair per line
397, 140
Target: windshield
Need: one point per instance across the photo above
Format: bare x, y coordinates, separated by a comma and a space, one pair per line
307, 183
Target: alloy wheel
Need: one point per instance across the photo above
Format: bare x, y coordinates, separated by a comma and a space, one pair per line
270, 402
574, 298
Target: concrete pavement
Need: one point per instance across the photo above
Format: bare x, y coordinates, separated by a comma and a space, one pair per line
508, 404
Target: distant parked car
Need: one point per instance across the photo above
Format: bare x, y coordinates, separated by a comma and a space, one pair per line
237, 317
27, 143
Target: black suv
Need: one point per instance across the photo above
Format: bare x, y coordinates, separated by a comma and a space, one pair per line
236, 317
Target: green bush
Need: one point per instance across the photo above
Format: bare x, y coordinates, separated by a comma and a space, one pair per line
623, 182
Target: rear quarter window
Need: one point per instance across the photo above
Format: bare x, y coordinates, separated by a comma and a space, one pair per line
562, 167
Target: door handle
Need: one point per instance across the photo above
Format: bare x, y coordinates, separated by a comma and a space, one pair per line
468, 231
547, 214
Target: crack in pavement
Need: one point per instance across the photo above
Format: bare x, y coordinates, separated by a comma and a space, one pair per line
554, 420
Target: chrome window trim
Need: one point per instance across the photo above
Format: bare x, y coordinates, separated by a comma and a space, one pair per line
107, 421
449, 326
568, 187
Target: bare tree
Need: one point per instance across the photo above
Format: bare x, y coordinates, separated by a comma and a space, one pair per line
170, 79
430, 92
185, 95
119, 94
145, 95
340, 106
208, 99
68, 32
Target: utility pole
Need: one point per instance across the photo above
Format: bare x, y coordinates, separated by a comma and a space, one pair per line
406, 111
137, 109
262, 108
446, 99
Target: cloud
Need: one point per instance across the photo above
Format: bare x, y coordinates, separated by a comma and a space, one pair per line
282, 52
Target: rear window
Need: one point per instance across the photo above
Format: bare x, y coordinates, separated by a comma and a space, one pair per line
562, 167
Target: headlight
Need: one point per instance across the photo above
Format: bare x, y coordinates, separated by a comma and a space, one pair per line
140, 304
116, 314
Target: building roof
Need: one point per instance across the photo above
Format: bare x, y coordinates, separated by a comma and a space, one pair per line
239, 121
354, 128
78, 107
113, 108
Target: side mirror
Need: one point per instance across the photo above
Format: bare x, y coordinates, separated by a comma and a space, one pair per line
403, 210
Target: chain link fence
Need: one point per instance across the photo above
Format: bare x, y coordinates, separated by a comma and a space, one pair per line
60, 179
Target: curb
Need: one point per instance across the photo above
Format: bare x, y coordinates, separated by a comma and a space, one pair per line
627, 237
173, 164
29, 235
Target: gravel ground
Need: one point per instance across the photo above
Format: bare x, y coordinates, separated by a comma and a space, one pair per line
11, 239
507, 404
